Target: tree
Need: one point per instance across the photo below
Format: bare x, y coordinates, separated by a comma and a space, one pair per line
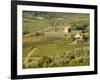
26, 32
84, 28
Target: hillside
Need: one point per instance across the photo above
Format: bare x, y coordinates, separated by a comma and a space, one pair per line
52, 39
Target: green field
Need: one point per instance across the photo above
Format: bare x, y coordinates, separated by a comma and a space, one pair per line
46, 45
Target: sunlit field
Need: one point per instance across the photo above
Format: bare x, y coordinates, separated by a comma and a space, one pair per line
52, 39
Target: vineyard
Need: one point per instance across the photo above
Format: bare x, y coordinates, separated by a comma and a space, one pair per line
45, 44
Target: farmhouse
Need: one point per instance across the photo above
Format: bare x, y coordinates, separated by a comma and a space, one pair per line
78, 38
67, 29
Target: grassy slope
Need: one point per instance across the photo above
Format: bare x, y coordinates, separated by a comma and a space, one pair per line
35, 25
54, 49
38, 24
51, 44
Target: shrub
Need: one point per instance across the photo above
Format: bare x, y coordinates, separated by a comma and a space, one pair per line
44, 62
33, 64
71, 56
25, 32
38, 33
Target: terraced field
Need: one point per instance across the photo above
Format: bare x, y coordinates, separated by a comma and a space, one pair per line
46, 46
54, 48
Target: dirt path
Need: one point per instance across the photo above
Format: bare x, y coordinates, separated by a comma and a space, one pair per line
28, 56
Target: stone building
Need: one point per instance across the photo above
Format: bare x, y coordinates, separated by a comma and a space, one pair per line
67, 29
78, 38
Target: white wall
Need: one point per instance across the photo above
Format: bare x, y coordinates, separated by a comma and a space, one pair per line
5, 29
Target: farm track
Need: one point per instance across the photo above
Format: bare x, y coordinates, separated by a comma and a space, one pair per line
28, 56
